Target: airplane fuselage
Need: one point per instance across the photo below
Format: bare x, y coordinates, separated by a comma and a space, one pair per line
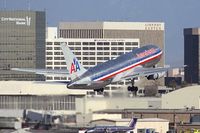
103, 74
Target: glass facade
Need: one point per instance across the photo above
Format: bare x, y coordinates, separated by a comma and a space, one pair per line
192, 55
22, 43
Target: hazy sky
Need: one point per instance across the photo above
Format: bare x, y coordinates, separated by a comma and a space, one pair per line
176, 14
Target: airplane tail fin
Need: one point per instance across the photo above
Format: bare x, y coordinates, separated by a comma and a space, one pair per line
74, 67
133, 122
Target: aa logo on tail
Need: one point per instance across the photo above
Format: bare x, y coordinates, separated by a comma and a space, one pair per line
74, 66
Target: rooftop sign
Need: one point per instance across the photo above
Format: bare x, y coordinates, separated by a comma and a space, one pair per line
18, 21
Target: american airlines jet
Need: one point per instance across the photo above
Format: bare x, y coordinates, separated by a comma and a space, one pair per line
139, 62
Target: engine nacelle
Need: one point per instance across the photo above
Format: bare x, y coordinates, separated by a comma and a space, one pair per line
156, 76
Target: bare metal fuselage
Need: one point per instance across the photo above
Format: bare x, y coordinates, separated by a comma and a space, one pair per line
103, 74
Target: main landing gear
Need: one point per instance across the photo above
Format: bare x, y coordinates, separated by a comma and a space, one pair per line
132, 88
99, 90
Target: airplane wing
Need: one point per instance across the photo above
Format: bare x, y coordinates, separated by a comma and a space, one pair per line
43, 71
142, 72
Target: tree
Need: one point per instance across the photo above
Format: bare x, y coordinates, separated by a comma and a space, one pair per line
150, 90
184, 84
173, 84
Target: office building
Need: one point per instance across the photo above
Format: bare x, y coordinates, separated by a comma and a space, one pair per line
146, 32
22, 43
192, 55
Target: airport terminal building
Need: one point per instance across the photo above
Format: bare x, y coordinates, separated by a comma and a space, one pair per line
22, 43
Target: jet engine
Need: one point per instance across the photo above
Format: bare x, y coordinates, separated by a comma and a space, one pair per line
156, 76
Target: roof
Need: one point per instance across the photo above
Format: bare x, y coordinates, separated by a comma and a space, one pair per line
36, 88
166, 111
187, 97
112, 120
152, 120
128, 120
191, 90
110, 25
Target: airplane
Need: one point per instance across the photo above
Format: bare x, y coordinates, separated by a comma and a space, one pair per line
113, 129
137, 63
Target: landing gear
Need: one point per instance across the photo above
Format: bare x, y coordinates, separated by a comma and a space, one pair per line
99, 90
132, 88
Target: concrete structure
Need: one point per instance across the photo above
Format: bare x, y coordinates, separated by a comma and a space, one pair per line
38, 96
57, 98
160, 125
22, 43
192, 55
87, 105
188, 97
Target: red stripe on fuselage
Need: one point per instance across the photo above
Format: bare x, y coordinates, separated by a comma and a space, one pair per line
131, 67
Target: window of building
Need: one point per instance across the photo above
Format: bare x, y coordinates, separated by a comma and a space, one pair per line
106, 48
77, 48
85, 48
92, 58
120, 48
113, 48
92, 43
49, 63
99, 48
91, 53
56, 63
106, 53
120, 43
91, 48
49, 58
49, 48
99, 53
99, 58
77, 43
99, 43
56, 43
57, 48
63, 63
77, 53
49, 53
56, 58
113, 43
85, 43
49, 43
56, 53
